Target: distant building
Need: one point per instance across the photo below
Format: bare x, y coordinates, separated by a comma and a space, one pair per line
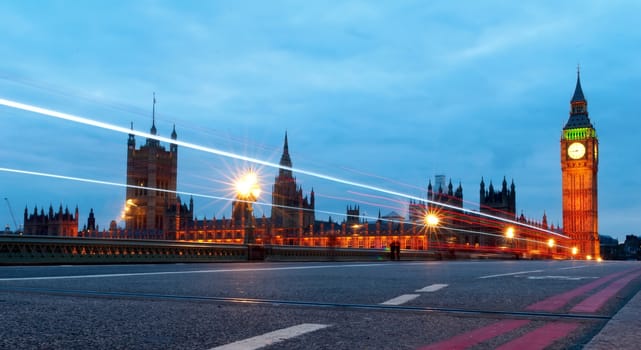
451, 197
632, 247
439, 183
609, 248
353, 216
292, 213
498, 203
60, 223
91, 221
152, 206
153, 210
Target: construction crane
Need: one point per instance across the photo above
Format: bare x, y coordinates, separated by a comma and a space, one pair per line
15, 225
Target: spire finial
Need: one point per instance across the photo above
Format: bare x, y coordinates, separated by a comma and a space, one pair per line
285, 160
286, 145
153, 116
578, 91
153, 110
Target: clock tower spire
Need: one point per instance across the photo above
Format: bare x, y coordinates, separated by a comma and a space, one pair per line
579, 167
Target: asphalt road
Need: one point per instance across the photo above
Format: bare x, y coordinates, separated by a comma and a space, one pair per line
383, 305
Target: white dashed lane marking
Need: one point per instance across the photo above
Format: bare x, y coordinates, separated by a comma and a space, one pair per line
510, 274
271, 337
432, 288
401, 299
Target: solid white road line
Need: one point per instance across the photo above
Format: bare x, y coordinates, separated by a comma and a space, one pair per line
401, 299
510, 274
573, 267
181, 272
565, 278
432, 288
271, 337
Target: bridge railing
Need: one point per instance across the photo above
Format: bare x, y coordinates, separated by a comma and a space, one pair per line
16, 250
63, 250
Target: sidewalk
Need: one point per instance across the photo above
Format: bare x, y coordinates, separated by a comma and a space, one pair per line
623, 331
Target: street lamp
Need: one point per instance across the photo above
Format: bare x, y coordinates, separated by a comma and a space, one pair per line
550, 245
509, 236
247, 186
509, 232
247, 191
431, 222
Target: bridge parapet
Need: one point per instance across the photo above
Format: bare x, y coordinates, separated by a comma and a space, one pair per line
63, 250
23, 250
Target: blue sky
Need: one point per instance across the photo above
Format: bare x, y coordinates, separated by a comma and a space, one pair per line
387, 94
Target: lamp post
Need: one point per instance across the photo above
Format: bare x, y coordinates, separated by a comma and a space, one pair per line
431, 222
247, 192
509, 235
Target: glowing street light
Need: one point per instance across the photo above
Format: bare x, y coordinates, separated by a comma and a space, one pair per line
575, 250
248, 190
247, 186
509, 236
431, 220
551, 243
126, 210
509, 232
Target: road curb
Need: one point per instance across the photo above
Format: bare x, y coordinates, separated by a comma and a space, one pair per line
622, 331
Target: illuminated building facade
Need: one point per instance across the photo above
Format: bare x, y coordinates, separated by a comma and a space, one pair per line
353, 215
153, 210
498, 203
451, 198
579, 168
60, 223
291, 212
152, 205
292, 220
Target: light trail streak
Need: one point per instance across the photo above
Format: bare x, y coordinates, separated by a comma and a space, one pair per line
386, 179
107, 126
360, 202
120, 107
116, 184
543, 242
387, 199
108, 183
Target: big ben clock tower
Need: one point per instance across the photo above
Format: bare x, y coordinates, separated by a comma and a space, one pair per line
579, 166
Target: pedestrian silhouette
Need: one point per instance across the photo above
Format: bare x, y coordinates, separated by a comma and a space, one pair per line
392, 250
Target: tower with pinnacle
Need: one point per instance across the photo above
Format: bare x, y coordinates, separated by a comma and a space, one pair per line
292, 212
151, 183
579, 168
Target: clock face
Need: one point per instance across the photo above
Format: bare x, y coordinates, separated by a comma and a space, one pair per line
576, 150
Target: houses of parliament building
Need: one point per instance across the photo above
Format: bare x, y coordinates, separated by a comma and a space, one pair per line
154, 210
